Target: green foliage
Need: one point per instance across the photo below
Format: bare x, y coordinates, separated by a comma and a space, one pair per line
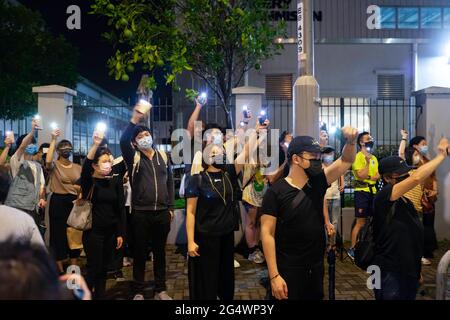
217, 40
192, 94
31, 56
180, 203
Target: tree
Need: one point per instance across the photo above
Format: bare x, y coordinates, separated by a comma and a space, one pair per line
218, 40
30, 56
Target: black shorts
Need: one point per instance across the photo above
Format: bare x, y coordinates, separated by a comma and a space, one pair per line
363, 204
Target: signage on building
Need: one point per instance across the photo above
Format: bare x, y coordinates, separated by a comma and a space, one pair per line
300, 27
279, 10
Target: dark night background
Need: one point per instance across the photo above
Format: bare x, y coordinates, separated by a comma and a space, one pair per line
94, 50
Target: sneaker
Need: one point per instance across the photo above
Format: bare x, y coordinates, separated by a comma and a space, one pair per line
237, 264
351, 253
426, 262
256, 257
127, 262
162, 296
138, 297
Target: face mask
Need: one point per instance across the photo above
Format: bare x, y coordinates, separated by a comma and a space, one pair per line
220, 162
315, 168
31, 149
369, 145
217, 139
145, 142
423, 150
66, 153
416, 160
328, 159
105, 168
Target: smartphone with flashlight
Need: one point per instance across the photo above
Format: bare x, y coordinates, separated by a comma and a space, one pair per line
53, 126
202, 98
262, 117
10, 135
38, 120
100, 130
246, 112
143, 106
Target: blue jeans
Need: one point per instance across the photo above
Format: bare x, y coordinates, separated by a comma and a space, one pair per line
396, 286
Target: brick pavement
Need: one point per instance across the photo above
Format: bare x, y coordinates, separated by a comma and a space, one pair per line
350, 280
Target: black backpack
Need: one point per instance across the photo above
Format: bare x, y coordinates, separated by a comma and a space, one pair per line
365, 242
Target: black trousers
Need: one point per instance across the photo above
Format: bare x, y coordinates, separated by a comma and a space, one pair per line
430, 240
118, 255
304, 283
60, 207
146, 226
99, 245
211, 275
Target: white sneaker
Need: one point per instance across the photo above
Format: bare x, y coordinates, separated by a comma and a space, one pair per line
237, 264
426, 262
138, 297
127, 262
162, 296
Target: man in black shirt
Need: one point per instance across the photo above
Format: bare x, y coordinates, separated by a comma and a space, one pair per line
293, 234
397, 230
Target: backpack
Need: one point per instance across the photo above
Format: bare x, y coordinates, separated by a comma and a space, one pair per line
25, 188
137, 160
365, 242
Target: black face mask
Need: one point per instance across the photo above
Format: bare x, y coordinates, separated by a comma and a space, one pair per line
315, 168
220, 162
65, 154
369, 144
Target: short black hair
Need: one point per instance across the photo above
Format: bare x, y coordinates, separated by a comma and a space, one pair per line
416, 140
138, 129
213, 125
100, 152
44, 145
360, 136
5, 181
27, 272
63, 142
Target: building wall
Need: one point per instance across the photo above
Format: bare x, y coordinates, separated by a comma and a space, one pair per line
344, 70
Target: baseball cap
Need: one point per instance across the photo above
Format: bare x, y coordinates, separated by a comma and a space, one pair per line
303, 144
393, 164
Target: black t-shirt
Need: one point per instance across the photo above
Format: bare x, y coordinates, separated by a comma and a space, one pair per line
213, 216
398, 240
301, 240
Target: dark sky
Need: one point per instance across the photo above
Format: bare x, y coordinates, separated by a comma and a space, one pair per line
94, 50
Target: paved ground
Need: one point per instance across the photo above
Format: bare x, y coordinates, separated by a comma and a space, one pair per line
350, 280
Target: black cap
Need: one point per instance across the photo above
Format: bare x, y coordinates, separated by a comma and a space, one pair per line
328, 149
303, 144
393, 164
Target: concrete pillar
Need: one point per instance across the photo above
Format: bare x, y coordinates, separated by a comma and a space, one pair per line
53, 102
433, 123
251, 97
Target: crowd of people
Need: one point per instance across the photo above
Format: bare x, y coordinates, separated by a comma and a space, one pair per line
291, 213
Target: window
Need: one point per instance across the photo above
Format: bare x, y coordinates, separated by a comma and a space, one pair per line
408, 18
430, 18
446, 17
391, 86
388, 17
279, 86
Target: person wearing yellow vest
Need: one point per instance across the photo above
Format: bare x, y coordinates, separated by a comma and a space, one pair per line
365, 172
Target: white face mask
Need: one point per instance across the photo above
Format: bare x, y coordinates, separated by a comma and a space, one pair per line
145, 143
